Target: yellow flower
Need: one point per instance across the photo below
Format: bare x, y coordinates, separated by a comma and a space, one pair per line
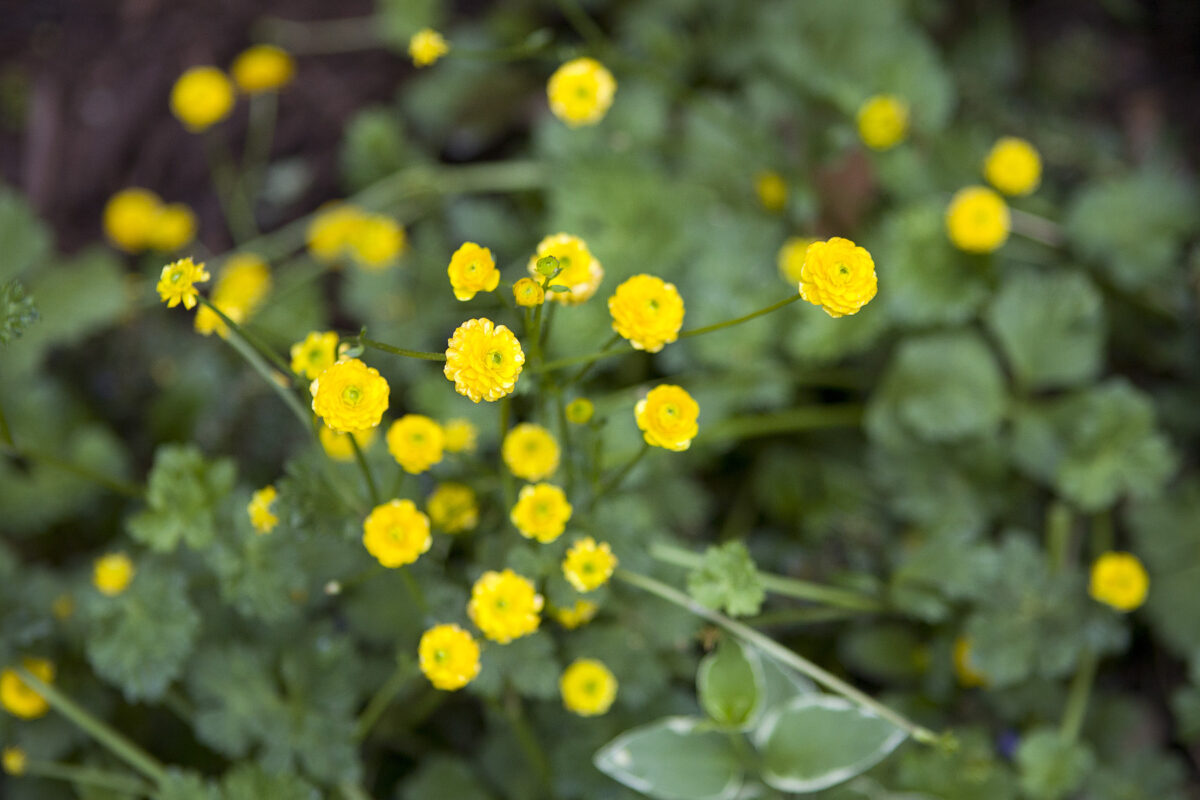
453, 508
337, 445
240, 289
647, 311
459, 436
396, 533
579, 614
791, 258
331, 230
1013, 166
415, 441
772, 190
839, 276
112, 574
484, 360
449, 657
259, 509
472, 269
171, 228
129, 217
580, 272
667, 417
315, 354
581, 91
589, 565
18, 697
426, 46
530, 452
376, 241
505, 606
964, 670
882, 121
262, 68
63, 607
13, 761
541, 512
177, 283
350, 396
588, 687
977, 220
202, 97
580, 410
528, 293
1119, 580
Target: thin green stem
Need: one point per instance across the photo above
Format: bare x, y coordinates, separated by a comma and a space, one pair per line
729, 323
89, 776
414, 590
1103, 534
615, 481
550, 366
262, 347
801, 615
506, 477
239, 216
564, 435
527, 739
398, 351
372, 489
583, 24
1039, 229
252, 356
5, 432
78, 470
260, 136
383, 698
1058, 535
792, 420
586, 368
1078, 694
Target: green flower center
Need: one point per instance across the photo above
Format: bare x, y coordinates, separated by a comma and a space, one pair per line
176, 275
351, 395
496, 357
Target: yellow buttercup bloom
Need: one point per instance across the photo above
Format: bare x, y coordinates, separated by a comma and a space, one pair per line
581, 91
977, 220
588, 687
426, 46
579, 614
129, 217
530, 451
376, 241
772, 190
839, 276
453, 507
396, 533
259, 509
13, 761
505, 606
472, 269
791, 258
484, 360
331, 230
202, 97
19, 698
528, 293
240, 289
337, 445
647, 311
1013, 166
580, 410
262, 68
449, 657
667, 417
589, 565
964, 670
459, 436
350, 396
112, 574
415, 441
172, 227
882, 121
541, 512
1119, 580
580, 272
315, 354
177, 284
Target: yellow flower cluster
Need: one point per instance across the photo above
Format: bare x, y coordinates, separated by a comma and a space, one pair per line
791, 259
201, 97
262, 68
416, 442
772, 190
647, 311
137, 219
19, 698
589, 565
240, 289
177, 283
453, 508
583, 612
373, 241
472, 269
449, 657
112, 574
13, 761
977, 220
315, 354
541, 512
1119, 580
580, 272
261, 517
505, 606
588, 687
581, 91
882, 121
839, 276
484, 360
460, 436
350, 396
396, 533
530, 452
426, 46
338, 445
667, 417
1013, 166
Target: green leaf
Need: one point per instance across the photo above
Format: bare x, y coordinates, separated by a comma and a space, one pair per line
1167, 538
250, 782
26, 238
1148, 775
1050, 766
781, 684
374, 147
444, 777
971, 771
675, 758
817, 741
181, 785
730, 683
528, 663
728, 579
17, 311
182, 493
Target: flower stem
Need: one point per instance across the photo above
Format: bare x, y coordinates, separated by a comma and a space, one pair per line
372, 490
729, 323
615, 481
382, 698
1039, 229
583, 24
263, 349
1077, 695
804, 418
1058, 535
239, 343
259, 136
527, 739
399, 351
89, 776
98, 478
239, 215
506, 478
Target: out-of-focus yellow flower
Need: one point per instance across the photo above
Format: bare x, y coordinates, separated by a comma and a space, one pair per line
530, 451
1013, 166
588, 687
588, 565
882, 121
484, 360
772, 190
580, 410
580, 272
331, 230
19, 698
647, 311
667, 417
505, 606
337, 445
583, 612
581, 92
426, 46
1119, 580
528, 293
63, 607
259, 509
964, 670
129, 217
541, 512
13, 761
472, 269
977, 220
202, 97
177, 284
449, 657
459, 436
263, 68
839, 276
350, 396
240, 289
376, 241
396, 533
172, 227
791, 259
415, 441
315, 354
112, 574
453, 507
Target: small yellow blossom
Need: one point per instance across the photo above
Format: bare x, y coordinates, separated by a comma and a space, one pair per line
63, 607
350, 396
1013, 166
647, 311
460, 436
791, 259
337, 445
259, 509
453, 507
484, 360
13, 761
376, 241
19, 698
177, 283
977, 220
239, 291
331, 230
577, 615
541, 512
588, 565
415, 441
588, 687
581, 91
396, 533
171, 228
505, 606
112, 574
964, 670
129, 218
202, 97
449, 657
580, 272
315, 354
580, 410
528, 293
772, 190
1119, 580
882, 121
667, 417
472, 269
530, 452
262, 68
839, 276
426, 46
